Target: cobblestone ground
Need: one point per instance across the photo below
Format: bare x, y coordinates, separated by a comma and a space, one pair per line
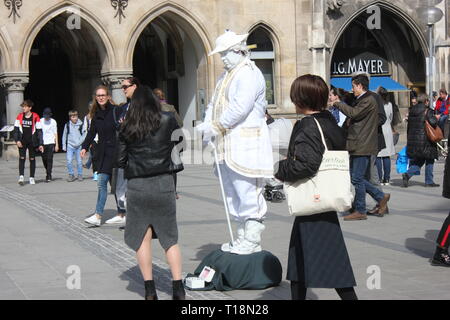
43, 233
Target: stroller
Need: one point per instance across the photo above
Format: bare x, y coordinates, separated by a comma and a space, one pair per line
273, 191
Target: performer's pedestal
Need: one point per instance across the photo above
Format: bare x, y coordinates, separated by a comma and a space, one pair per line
257, 271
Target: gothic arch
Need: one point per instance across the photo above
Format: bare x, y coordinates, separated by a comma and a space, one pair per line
5, 59
397, 11
104, 45
189, 23
274, 37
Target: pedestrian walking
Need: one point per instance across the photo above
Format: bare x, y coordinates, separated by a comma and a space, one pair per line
145, 148
419, 148
91, 162
102, 124
118, 181
73, 137
383, 161
28, 136
317, 256
441, 256
336, 93
51, 144
363, 142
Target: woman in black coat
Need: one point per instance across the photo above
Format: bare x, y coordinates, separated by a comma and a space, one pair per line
318, 256
419, 149
102, 124
146, 153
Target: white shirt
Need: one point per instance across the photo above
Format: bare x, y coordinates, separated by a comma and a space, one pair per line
49, 130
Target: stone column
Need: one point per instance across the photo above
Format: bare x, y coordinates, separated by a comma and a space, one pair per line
14, 89
114, 81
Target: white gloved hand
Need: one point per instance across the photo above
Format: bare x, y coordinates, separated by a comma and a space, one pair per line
207, 130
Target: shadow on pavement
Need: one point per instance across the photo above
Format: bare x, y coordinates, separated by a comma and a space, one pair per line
204, 250
162, 278
423, 247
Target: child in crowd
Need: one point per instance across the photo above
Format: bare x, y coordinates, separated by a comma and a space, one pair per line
72, 139
50, 135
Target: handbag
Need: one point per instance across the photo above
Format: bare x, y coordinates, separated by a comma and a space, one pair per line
329, 190
433, 134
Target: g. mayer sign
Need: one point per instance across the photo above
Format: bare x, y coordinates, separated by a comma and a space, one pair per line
347, 64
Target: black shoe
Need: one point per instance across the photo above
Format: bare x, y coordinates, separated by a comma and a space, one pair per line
48, 179
178, 290
432, 185
405, 180
441, 260
150, 290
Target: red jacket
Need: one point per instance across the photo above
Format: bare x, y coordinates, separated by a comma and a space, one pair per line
36, 129
442, 106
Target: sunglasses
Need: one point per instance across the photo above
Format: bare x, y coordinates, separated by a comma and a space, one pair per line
125, 87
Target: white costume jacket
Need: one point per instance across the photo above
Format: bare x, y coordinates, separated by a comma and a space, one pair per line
237, 112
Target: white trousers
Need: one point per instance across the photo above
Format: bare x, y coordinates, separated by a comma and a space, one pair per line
244, 195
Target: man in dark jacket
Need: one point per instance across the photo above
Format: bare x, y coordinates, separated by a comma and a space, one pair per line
419, 148
362, 142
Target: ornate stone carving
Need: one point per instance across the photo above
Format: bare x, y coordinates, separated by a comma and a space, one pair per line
14, 83
119, 6
335, 5
114, 81
13, 6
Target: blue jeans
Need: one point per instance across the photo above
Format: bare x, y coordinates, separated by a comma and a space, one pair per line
358, 169
69, 157
442, 120
102, 185
416, 164
384, 164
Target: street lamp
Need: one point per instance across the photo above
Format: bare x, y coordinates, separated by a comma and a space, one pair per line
431, 15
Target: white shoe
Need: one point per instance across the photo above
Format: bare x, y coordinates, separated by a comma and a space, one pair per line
32, 181
93, 220
252, 239
116, 220
226, 247
21, 180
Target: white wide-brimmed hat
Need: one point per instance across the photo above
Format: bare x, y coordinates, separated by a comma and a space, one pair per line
228, 40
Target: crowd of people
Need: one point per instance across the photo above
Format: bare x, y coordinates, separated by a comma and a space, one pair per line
131, 144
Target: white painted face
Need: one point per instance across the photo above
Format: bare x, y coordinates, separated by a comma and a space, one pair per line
231, 59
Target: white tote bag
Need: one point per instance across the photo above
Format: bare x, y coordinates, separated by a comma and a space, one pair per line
329, 190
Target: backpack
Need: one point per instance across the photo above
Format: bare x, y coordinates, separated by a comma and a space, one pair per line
68, 130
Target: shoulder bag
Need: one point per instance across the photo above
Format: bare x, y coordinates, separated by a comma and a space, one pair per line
329, 190
433, 134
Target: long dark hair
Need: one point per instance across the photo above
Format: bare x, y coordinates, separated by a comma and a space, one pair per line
384, 94
143, 116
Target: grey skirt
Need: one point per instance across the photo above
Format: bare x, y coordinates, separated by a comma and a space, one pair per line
151, 203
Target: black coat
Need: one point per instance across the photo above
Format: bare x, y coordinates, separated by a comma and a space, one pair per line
318, 257
154, 155
418, 146
104, 125
446, 183
306, 148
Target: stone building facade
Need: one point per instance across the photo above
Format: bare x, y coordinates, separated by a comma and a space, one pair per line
56, 52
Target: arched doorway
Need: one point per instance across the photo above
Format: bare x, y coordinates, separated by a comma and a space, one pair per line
65, 65
393, 52
170, 54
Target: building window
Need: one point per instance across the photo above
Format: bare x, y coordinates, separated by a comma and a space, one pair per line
264, 57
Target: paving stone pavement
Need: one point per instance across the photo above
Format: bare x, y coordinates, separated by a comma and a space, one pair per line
42, 233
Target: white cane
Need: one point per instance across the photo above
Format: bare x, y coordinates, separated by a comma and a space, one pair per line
216, 159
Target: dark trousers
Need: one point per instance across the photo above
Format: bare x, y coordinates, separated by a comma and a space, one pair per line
443, 239
47, 158
22, 156
384, 166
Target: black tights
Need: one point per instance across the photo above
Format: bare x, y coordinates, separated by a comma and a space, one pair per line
22, 154
298, 292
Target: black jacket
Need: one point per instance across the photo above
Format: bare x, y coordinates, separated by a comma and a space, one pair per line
154, 155
306, 148
446, 183
104, 125
418, 146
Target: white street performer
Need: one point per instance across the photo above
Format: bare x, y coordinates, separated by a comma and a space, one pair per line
236, 118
